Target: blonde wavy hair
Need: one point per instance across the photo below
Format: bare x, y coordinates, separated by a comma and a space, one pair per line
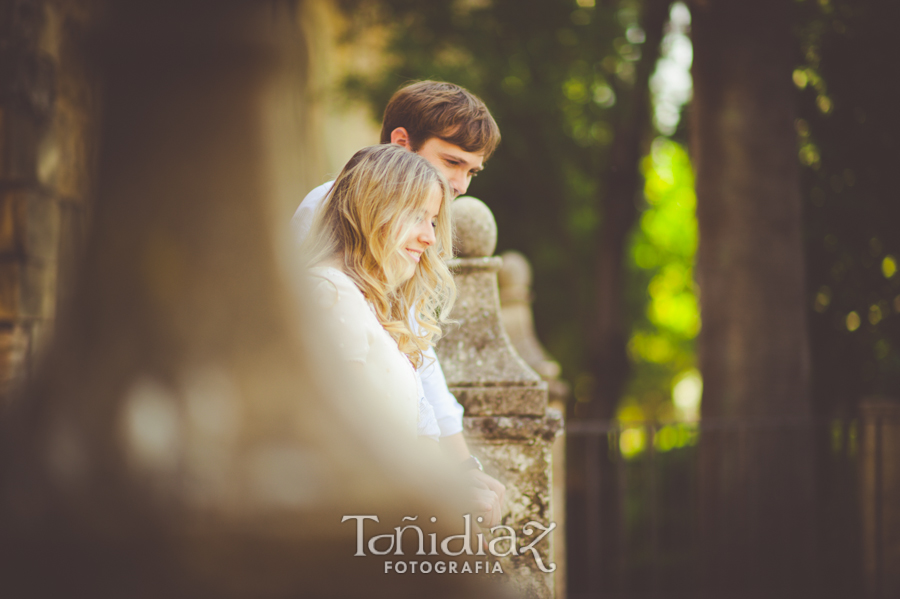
371, 208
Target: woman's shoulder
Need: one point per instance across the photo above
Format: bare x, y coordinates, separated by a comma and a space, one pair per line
345, 310
336, 293
331, 286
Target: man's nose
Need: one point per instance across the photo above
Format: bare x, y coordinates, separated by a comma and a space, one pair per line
459, 184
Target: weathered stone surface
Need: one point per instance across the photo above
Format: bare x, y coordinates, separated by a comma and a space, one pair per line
29, 226
514, 278
515, 301
499, 400
27, 88
48, 128
478, 354
515, 428
515, 308
508, 424
517, 450
474, 228
19, 137
522, 466
15, 344
26, 291
64, 155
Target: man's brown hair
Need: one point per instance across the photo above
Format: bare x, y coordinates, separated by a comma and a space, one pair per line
429, 109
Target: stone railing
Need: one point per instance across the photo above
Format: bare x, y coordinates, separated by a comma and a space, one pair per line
515, 309
508, 423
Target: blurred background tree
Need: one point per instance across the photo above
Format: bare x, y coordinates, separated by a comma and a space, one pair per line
571, 82
848, 142
754, 345
847, 130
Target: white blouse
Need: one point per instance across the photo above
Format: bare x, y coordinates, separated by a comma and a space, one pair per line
373, 354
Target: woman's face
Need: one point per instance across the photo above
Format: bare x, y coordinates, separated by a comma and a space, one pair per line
421, 235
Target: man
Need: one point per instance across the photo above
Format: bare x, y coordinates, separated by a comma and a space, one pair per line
454, 131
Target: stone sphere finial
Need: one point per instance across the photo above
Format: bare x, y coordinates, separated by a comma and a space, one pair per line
474, 228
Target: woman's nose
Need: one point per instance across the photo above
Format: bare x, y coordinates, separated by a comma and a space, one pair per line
427, 236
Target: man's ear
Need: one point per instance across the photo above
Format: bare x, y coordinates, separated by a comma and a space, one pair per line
400, 137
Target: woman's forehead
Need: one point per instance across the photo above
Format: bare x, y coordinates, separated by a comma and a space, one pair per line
435, 198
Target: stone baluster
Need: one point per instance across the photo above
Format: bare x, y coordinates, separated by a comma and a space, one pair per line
518, 319
508, 424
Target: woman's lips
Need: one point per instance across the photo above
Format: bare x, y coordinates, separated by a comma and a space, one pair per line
416, 254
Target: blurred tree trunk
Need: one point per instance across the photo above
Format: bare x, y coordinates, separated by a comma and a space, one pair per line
756, 476
633, 128
609, 335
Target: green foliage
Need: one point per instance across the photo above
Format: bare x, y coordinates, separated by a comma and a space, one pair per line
662, 253
847, 132
634, 439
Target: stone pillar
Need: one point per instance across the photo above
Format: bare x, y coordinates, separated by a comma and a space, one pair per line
508, 424
47, 136
880, 495
518, 320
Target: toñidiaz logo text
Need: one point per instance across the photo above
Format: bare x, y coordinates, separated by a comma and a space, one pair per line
504, 544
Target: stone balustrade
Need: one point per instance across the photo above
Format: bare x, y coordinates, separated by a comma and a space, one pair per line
518, 319
508, 423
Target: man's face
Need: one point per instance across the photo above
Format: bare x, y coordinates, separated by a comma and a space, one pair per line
454, 163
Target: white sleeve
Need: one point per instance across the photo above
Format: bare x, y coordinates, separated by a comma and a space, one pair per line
427, 425
342, 309
447, 410
303, 217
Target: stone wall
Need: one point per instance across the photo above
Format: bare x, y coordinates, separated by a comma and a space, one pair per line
48, 125
50, 114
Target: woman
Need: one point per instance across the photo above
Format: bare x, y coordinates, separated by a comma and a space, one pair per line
377, 251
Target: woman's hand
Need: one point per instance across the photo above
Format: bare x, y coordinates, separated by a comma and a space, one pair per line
487, 494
